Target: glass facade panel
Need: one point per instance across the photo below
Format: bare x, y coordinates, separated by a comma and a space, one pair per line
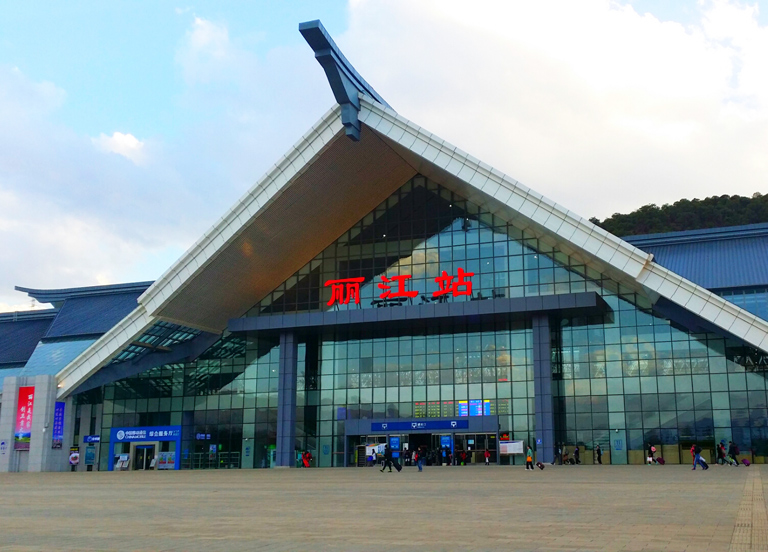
628, 369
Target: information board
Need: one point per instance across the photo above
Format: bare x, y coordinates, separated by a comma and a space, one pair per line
510, 447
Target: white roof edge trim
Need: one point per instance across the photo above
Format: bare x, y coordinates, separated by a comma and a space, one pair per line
102, 350
566, 226
282, 173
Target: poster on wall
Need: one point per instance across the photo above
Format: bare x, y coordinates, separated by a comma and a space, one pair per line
166, 460
58, 425
23, 433
90, 455
74, 456
511, 447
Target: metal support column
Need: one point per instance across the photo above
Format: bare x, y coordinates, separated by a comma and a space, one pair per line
286, 400
542, 385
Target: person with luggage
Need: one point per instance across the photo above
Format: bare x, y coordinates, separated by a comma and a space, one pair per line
387, 459
697, 459
529, 458
651, 453
598, 453
733, 453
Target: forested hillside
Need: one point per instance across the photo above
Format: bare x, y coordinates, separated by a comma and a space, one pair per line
687, 214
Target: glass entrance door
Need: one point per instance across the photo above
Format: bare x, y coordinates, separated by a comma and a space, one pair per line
144, 456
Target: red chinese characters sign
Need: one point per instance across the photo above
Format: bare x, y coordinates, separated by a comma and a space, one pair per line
399, 283
345, 290
26, 403
393, 287
459, 285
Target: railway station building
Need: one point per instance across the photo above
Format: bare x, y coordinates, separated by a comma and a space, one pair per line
380, 285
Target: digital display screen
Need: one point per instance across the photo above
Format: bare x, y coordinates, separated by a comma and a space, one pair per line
476, 407
463, 408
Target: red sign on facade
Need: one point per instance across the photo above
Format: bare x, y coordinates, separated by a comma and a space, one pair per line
345, 290
24, 408
460, 285
400, 292
393, 287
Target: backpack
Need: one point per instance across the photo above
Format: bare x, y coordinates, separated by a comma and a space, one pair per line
736, 449
697, 449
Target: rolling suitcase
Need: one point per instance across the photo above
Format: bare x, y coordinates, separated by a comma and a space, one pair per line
540, 465
704, 464
397, 465
660, 460
746, 462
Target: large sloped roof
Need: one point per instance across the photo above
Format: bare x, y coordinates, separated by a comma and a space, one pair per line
45, 341
325, 184
714, 258
20, 333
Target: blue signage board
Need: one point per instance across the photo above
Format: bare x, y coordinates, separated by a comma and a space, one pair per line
394, 445
132, 434
58, 425
445, 441
92, 439
426, 425
143, 434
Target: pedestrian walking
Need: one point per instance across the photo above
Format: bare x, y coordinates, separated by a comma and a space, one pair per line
529, 458
733, 453
721, 453
387, 459
419, 453
599, 453
487, 457
576, 455
651, 453
558, 455
697, 459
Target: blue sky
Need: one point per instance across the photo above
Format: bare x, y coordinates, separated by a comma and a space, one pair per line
116, 60
128, 128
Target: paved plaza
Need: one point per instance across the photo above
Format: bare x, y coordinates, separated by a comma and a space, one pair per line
443, 508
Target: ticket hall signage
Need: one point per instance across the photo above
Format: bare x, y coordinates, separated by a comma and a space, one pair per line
346, 290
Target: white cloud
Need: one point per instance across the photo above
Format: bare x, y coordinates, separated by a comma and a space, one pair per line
592, 104
70, 215
126, 145
596, 106
207, 55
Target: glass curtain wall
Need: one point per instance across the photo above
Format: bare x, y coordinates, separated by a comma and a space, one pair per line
629, 371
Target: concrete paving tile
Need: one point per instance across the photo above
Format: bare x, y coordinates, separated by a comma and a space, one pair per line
470, 508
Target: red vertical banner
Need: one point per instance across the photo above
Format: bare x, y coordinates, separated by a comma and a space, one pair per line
24, 409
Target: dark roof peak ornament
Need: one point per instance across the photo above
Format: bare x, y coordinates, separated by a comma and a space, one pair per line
346, 83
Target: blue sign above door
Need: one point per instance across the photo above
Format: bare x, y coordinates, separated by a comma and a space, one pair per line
420, 426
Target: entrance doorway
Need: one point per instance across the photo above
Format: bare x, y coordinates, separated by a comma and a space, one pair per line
418, 441
144, 456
